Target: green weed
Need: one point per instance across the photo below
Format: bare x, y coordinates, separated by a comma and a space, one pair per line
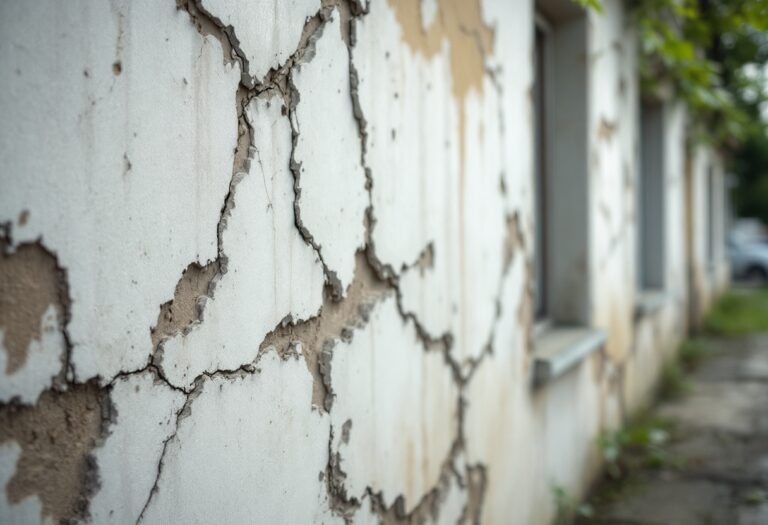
568, 507
739, 313
641, 445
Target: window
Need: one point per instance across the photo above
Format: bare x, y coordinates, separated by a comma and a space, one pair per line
543, 33
561, 250
651, 214
711, 216
561, 191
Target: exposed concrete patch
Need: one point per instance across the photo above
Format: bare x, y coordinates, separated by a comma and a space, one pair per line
34, 312
513, 240
476, 482
30, 282
606, 130
426, 260
57, 437
178, 314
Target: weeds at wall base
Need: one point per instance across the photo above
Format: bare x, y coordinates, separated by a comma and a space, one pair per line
738, 313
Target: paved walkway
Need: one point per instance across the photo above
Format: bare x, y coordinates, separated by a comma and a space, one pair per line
716, 467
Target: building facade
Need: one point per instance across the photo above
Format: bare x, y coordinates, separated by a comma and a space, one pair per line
339, 261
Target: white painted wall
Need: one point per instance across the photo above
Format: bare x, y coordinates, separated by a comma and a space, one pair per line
319, 155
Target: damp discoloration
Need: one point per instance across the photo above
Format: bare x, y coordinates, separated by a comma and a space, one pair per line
185, 308
56, 437
460, 24
30, 282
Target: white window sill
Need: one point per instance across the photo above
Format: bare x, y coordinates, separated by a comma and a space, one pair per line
649, 302
561, 348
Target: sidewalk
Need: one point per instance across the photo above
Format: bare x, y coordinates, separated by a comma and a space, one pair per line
704, 460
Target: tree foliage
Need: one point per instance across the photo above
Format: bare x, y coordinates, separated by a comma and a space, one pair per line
709, 53
713, 54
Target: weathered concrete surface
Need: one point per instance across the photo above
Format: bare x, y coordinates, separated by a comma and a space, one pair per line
288, 247
719, 442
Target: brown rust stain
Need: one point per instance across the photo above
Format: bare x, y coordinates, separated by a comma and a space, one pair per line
336, 320
56, 437
30, 282
184, 309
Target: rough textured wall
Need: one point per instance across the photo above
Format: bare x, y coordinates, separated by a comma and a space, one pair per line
271, 261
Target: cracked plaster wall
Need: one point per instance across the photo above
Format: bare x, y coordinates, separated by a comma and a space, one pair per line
270, 261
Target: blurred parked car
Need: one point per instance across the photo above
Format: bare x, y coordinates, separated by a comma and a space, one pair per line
749, 260
748, 231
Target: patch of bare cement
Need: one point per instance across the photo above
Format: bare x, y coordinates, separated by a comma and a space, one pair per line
513, 240
56, 437
30, 282
184, 309
476, 485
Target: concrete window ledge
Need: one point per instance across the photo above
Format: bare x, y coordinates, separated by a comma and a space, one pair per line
649, 302
560, 348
